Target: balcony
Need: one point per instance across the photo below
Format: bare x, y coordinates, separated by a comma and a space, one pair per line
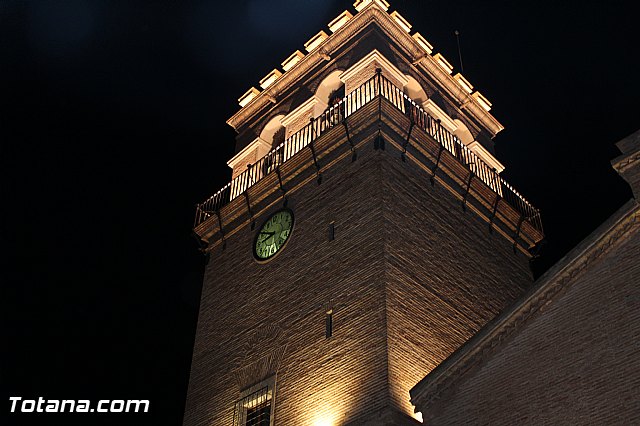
376, 88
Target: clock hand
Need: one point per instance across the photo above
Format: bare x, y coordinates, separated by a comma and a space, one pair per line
268, 235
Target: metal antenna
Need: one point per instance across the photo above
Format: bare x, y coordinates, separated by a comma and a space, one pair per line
457, 33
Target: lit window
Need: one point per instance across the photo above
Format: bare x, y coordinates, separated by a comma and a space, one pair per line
255, 408
260, 415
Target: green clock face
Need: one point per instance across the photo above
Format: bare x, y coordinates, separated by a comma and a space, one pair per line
273, 234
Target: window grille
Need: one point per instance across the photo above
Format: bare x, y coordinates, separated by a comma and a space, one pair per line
254, 409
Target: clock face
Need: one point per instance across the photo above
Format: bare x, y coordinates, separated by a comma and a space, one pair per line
273, 234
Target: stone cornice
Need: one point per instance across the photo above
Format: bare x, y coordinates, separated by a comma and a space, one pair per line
307, 63
623, 162
467, 102
426, 394
486, 156
628, 164
257, 142
371, 13
301, 109
385, 64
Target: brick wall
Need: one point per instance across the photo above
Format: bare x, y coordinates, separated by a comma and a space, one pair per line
407, 265
293, 292
446, 275
576, 362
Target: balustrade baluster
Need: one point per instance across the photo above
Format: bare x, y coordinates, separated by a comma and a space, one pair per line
377, 85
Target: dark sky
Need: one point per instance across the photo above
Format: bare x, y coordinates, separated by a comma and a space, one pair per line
113, 127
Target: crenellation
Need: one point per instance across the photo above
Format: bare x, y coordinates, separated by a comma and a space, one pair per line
367, 12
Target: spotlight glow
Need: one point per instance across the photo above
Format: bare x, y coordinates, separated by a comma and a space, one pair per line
324, 420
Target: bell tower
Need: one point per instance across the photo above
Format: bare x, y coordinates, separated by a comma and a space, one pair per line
365, 235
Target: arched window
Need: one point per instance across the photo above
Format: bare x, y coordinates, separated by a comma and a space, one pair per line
328, 87
414, 90
336, 96
416, 93
273, 133
330, 93
462, 132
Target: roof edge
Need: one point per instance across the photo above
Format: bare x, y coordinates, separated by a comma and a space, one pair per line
371, 13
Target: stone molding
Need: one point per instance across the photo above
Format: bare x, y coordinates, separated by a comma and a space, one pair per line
375, 57
622, 164
486, 156
627, 164
256, 144
371, 13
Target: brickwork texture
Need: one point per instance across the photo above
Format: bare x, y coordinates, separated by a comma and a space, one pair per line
575, 363
409, 277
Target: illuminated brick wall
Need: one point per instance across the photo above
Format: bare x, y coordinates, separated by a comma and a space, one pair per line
575, 363
409, 277
318, 378
446, 275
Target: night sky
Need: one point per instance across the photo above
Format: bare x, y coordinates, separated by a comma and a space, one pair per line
113, 127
